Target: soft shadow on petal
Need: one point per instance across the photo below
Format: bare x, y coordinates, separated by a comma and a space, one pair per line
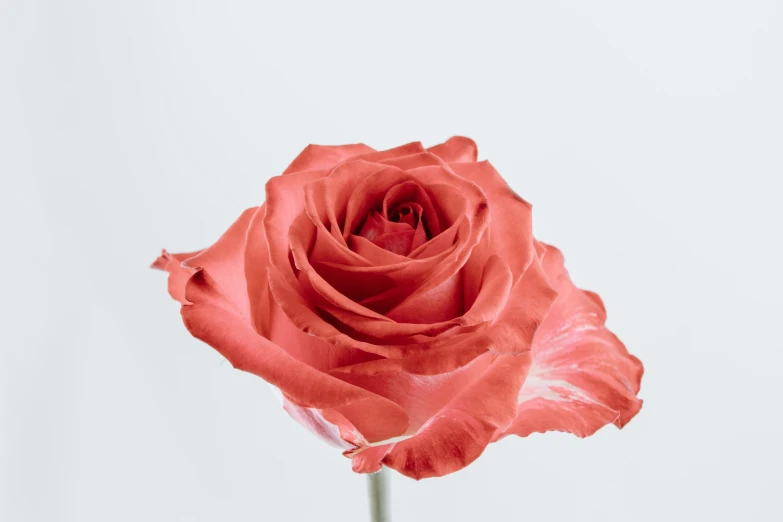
582, 377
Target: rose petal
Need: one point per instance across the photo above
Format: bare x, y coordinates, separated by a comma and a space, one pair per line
178, 275
511, 231
396, 242
458, 434
373, 227
407, 193
419, 237
368, 458
319, 157
225, 262
475, 213
437, 311
439, 356
403, 150
456, 149
495, 288
284, 203
284, 286
214, 318
473, 227
512, 331
439, 304
407, 213
421, 396
428, 254
362, 283
372, 252
326, 199
297, 308
582, 377
371, 186
313, 420
341, 183
314, 351
262, 307
300, 229
412, 161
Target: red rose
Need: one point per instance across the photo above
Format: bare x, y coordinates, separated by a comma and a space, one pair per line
400, 303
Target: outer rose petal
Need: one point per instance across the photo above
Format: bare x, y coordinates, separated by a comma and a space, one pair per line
284, 202
403, 150
582, 377
178, 275
313, 420
413, 161
225, 263
458, 434
212, 319
456, 149
318, 157
421, 396
262, 307
219, 316
511, 232
182, 266
368, 459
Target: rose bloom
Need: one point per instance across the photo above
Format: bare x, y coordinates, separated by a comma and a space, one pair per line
401, 304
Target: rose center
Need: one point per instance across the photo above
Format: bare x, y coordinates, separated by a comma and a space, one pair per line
405, 214
400, 230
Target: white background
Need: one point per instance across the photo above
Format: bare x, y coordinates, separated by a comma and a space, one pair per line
647, 135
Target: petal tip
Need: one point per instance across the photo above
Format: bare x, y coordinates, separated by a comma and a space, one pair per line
161, 261
457, 149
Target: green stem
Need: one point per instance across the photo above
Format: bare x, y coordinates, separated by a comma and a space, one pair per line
378, 489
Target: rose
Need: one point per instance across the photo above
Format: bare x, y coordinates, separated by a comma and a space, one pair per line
400, 303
